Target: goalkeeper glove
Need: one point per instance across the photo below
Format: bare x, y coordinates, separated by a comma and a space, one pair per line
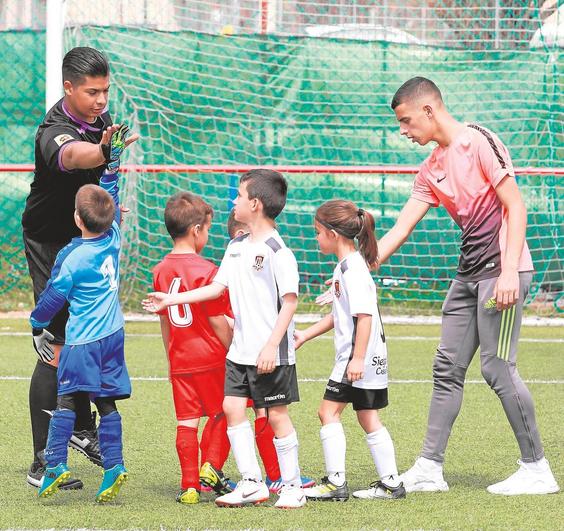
112, 151
44, 349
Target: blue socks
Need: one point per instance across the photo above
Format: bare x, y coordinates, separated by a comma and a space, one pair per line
60, 431
109, 433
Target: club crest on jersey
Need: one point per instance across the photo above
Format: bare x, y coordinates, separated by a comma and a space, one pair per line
61, 139
337, 286
259, 262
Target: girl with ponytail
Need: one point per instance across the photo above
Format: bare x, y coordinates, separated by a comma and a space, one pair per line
360, 374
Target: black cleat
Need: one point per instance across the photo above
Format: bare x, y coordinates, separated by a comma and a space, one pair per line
379, 490
327, 491
37, 469
86, 442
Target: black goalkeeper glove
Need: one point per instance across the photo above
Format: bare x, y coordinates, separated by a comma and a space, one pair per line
42, 345
113, 150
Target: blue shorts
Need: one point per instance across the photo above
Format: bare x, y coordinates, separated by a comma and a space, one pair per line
97, 368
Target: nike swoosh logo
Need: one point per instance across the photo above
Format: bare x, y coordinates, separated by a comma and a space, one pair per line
439, 180
247, 495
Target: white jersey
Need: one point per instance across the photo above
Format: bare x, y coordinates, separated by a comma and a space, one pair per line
257, 275
354, 292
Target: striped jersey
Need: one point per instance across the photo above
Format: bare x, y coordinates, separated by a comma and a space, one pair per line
462, 177
354, 293
258, 274
86, 274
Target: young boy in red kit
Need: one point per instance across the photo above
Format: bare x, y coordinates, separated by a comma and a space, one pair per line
196, 338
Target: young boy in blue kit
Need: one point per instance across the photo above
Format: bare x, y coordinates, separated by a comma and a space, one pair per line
86, 274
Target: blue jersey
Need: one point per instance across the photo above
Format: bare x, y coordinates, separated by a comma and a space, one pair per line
86, 274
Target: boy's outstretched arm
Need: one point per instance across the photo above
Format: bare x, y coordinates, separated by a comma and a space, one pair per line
266, 361
157, 300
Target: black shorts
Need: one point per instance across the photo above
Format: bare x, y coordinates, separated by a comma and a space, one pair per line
360, 398
40, 260
277, 388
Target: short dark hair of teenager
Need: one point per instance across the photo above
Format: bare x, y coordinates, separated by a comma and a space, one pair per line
83, 61
413, 89
95, 207
184, 210
269, 187
233, 225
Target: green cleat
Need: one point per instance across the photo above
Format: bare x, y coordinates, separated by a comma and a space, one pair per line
188, 497
213, 478
53, 477
112, 482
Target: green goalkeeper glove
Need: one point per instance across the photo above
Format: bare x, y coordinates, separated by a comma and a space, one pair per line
112, 151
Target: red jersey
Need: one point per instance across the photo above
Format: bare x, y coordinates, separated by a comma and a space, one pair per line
193, 345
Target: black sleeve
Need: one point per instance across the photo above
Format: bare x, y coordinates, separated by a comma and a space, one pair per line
52, 140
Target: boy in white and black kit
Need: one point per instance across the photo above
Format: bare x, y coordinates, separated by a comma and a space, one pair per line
262, 276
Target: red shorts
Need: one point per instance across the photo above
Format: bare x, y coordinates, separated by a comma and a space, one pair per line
198, 395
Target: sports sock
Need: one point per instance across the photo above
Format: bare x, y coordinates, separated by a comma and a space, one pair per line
287, 450
205, 441
219, 446
109, 434
382, 450
334, 450
187, 449
42, 395
243, 446
60, 431
265, 437
83, 412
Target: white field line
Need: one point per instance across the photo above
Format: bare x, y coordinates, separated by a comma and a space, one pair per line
305, 380
330, 337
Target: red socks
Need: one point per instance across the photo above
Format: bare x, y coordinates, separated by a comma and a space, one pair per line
264, 437
187, 448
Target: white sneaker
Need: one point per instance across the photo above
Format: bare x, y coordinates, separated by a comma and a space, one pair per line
531, 478
424, 476
291, 497
247, 492
379, 490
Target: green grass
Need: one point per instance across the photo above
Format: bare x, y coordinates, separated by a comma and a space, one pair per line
482, 448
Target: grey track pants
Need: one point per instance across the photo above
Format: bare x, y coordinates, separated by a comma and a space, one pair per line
467, 324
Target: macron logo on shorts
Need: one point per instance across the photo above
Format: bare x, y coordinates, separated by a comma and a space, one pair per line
279, 396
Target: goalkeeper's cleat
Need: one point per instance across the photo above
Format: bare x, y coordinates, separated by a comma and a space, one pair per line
113, 479
215, 479
86, 442
530, 478
291, 497
247, 492
53, 477
37, 470
424, 476
274, 485
188, 497
379, 490
328, 491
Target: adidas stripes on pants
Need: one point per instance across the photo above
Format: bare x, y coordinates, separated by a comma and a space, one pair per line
468, 323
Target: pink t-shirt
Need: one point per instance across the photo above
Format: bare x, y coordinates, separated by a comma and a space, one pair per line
462, 177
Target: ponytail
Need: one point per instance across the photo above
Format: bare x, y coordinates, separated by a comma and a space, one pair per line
367, 245
351, 222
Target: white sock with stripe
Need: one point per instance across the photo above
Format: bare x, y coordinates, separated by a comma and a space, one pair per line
382, 449
334, 449
242, 441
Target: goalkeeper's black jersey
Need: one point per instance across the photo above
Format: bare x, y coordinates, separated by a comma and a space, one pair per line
49, 209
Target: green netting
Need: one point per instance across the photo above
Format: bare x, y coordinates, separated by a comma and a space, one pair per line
247, 99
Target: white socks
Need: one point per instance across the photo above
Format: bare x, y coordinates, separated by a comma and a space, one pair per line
287, 451
382, 450
242, 441
334, 449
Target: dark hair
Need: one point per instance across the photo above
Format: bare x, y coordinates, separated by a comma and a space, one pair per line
269, 187
83, 61
415, 88
184, 210
95, 207
233, 225
346, 219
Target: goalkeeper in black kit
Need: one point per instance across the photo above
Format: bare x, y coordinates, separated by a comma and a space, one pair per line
74, 144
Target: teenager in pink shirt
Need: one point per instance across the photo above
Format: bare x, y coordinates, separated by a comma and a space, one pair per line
470, 173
